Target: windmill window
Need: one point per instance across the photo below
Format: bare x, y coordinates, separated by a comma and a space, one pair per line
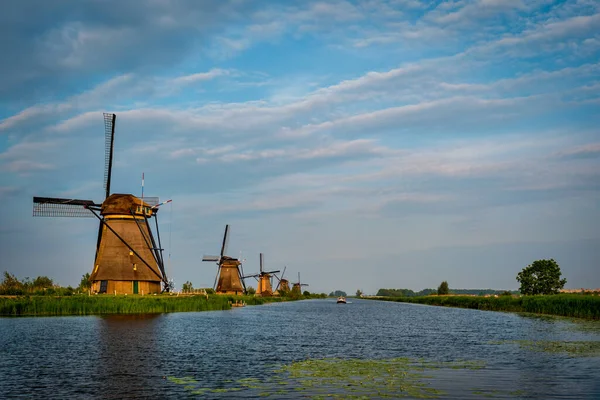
103, 286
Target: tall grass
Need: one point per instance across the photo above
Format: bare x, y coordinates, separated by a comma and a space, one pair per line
106, 304
568, 305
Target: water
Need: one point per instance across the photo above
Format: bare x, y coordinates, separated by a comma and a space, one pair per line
146, 356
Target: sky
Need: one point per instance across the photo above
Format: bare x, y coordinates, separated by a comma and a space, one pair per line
365, 144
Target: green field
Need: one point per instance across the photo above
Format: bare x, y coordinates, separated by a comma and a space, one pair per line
132, 304
568, 305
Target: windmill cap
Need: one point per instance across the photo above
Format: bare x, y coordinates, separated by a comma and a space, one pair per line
123, 204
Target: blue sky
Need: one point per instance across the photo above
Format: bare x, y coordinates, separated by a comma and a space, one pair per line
365, 144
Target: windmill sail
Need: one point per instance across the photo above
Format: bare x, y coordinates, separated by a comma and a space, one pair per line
109, 133
56, 207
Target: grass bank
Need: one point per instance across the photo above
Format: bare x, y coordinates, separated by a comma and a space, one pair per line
568, 305
106, 304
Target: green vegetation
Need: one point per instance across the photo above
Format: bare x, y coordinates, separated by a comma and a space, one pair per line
187, 287
541, 277
85, 283
571, 348
339, 379
569, 305
132, 304
427, 292
337, 293
359, 293
42, 285
443, 288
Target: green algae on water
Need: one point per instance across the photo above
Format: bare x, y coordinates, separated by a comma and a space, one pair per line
582, 348
345, 379
573, 348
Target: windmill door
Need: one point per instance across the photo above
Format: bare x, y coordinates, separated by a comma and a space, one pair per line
135, 287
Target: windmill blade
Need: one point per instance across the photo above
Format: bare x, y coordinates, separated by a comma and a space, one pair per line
216, 277
270, 272
211, 258
56, 207
261, 263
225, 241
109, 133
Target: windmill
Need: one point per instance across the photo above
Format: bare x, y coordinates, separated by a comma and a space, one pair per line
283, 285
128, 259
264, 287
297, 287
229, 279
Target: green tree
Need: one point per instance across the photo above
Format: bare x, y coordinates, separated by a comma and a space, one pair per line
42, 282
306, 293
541, 277
10, 285
359, 293
85, 282
250, 290
187, 287
443, 288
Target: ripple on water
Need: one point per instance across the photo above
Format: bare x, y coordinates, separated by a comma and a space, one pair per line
239, 353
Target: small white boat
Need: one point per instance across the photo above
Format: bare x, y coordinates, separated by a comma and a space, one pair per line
341, 299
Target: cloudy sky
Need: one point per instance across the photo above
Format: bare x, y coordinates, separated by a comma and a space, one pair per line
365, 144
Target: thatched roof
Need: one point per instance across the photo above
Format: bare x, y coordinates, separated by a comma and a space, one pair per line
122, 204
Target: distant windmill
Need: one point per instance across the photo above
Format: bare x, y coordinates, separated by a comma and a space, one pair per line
297, 287
229, 279
128, 259
283, 285
264, 287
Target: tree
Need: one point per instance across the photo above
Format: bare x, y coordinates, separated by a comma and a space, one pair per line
306, 293
42, 282
443, 288
187, 287
250, 290
11, 285
359, 293
85, 283
541, 277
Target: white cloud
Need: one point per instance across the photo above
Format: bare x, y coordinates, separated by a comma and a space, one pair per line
201, 76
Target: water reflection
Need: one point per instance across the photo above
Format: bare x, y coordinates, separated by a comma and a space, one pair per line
128, 363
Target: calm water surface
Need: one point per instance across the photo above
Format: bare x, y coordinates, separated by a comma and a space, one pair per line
137, 357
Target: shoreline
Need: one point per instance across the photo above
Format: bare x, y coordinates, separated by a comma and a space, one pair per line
82, 305
563, 305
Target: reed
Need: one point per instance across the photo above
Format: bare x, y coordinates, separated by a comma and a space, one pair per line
106, 304
568, 305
